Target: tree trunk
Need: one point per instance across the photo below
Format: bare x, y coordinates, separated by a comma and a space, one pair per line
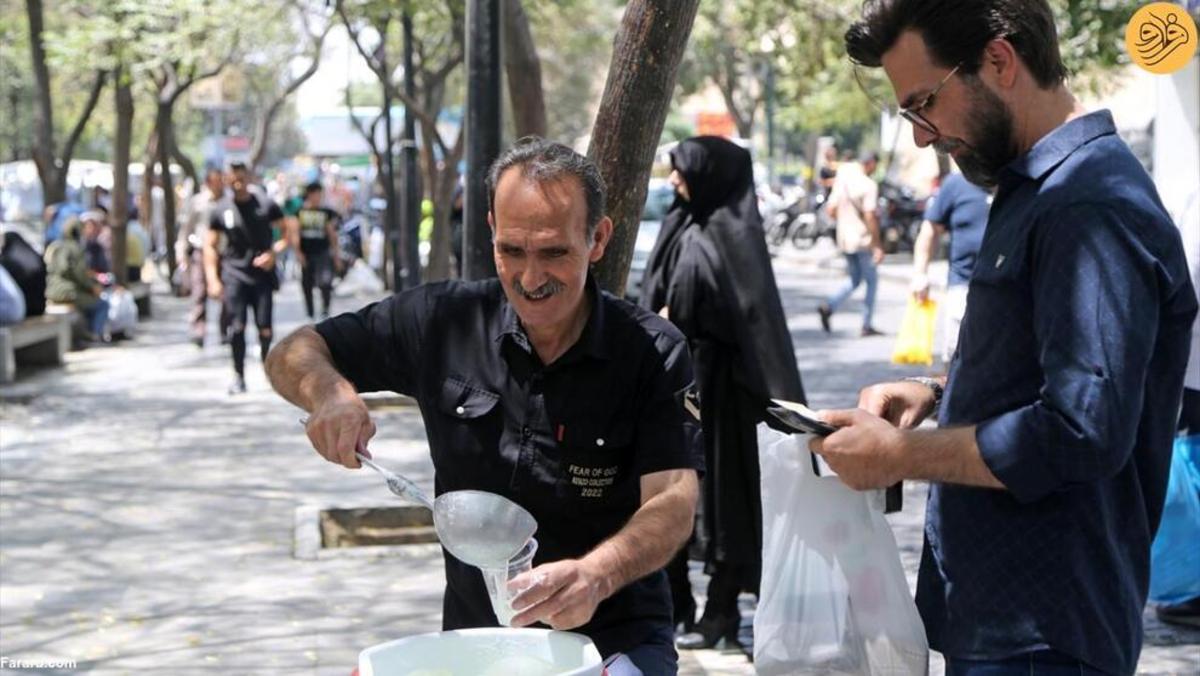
641, 79
443, 204
438, 266
53, 175
120, 193
185, 163
524, 72
261, 132
146, 208
166, 139
15, 143
52, 165
729, 82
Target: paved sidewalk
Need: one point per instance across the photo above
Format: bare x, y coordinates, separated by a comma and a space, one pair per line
147, 518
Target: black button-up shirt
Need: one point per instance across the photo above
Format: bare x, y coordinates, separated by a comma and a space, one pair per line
569, 441
1070, 361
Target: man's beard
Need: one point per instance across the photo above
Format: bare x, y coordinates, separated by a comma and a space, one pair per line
990, 128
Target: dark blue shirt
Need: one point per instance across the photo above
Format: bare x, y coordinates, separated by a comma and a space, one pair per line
1071, 363
568, 441
961, 207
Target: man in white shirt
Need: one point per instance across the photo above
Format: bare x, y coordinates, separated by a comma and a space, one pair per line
852, 204
189, 251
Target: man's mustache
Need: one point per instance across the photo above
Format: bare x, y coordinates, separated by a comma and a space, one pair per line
551, 287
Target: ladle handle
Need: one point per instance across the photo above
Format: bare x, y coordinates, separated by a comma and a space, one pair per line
401, 486
404, 484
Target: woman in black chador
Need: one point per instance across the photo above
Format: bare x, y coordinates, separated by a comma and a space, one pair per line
711, 274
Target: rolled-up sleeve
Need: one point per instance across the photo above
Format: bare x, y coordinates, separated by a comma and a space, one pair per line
379, 347
1095, 304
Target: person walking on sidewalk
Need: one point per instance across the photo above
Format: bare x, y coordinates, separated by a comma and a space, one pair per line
960, 208
314, 237
1049, 468
189, 251
710, 274
852, 203
540, 387
246, 278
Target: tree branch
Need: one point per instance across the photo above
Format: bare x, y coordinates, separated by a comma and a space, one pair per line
93, 98
193, 77
355, 37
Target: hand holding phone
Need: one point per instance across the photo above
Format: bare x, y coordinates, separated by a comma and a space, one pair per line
800, 418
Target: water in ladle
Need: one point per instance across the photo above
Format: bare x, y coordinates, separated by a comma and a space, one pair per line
480, 528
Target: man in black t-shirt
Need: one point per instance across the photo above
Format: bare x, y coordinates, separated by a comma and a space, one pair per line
540, 387
314, 236
247, 278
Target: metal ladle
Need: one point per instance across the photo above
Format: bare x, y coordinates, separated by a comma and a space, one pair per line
479, 528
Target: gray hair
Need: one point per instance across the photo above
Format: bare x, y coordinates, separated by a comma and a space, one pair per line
542, 161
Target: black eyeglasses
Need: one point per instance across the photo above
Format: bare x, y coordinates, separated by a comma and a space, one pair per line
913, 113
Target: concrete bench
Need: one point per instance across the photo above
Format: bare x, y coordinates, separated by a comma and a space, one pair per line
75, 319
37, 340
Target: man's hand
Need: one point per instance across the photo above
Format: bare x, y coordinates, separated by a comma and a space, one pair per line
865, 451
215, 288
903, 404
301, 258
919, 287
339, 427
562, 595
876, 253
264, 260
338, 265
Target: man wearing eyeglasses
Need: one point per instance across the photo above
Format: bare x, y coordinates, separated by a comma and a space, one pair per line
1049, 465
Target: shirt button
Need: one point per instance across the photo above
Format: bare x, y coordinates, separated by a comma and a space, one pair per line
599, 442
460, 410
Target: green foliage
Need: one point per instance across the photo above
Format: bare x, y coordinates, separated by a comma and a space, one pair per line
574, 42
1092, 40
16, 83
815, 86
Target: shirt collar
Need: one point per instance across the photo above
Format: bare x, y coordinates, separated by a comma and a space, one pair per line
1053, 148
591, 342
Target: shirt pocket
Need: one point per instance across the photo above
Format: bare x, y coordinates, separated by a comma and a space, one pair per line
469, 424
596, 467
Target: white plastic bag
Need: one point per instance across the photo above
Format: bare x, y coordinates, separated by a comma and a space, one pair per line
833, 597
122, 312
359, 279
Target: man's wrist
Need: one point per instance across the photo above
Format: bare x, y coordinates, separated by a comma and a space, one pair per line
935, 386
600, 574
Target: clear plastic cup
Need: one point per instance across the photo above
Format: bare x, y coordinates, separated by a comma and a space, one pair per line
498, 579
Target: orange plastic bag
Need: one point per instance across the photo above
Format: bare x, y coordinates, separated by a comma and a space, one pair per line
914, 343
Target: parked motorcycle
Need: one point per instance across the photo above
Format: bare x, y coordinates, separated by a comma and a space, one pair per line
802, 222
900, 215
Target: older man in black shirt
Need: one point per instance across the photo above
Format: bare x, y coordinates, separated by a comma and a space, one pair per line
540, 387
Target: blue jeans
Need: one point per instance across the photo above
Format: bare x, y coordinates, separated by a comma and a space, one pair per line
97, 317
862, 269
1038, 663
656, 655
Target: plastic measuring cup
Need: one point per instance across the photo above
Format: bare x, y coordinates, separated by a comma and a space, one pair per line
498, 582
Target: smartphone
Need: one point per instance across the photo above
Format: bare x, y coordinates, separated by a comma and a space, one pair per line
801, 422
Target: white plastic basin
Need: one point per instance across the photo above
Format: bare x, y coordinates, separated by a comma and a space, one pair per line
484, 652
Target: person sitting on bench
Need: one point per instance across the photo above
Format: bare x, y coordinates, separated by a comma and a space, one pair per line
68, 280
